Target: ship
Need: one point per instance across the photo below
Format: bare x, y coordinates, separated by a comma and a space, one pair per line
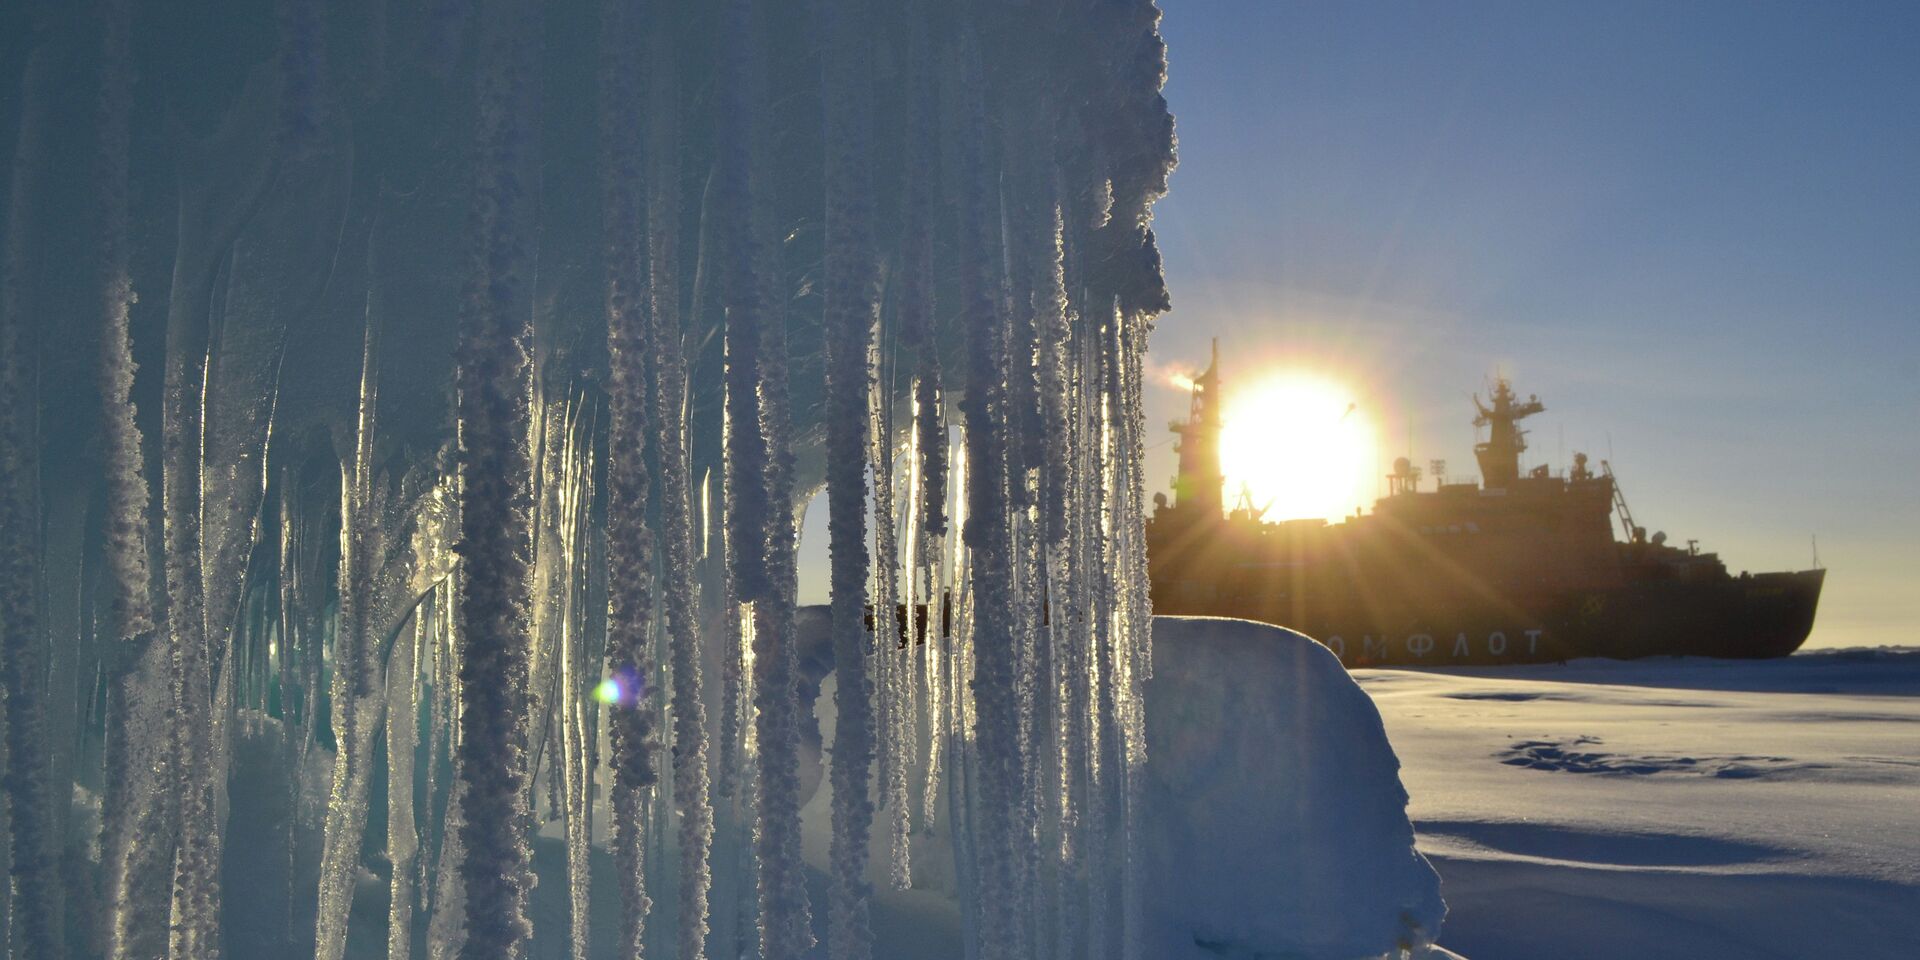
1519, 567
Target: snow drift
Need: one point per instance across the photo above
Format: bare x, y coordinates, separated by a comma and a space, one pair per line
1276, 823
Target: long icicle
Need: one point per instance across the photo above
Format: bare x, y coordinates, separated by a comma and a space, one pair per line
848, 320
691, 777
129, 805
929, 462
747, 169
36, 913
403, 841
573, 494
996, 683
356, 709
495, 535
892, 633
629, 540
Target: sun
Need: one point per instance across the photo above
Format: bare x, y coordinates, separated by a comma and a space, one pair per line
1298, 445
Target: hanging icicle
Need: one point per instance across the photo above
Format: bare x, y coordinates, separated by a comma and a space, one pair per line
495, 537
848, 318
356, 711
1003, 919
682, 601
764, 555
629, 539
747, 451
402, 728
1020, 147
36, 900
892, 631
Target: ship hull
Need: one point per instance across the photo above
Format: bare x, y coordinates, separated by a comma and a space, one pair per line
1756, 616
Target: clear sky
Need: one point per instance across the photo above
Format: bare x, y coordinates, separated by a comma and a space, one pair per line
1692, 228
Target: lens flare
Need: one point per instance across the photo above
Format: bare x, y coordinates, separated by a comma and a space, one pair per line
608, 691
625, 688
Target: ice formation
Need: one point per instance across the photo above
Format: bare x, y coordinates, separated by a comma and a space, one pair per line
454, 377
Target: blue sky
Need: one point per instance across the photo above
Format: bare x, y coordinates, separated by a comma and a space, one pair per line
1693, 229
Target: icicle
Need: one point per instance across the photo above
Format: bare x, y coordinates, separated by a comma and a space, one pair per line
734, 698
356, 712
1141, 133
131, 799
745, 912
629, 541
403, 844
927, 452
1053, 376
747, 452
1005, 906
1058, 637
1068, 577
914, 601
958, 747
892, 641
37, 922
848, 317
784, 910
182, 436
130, 607
1137, 649
682, 602
446, 926
495, 536
1026, 224
1092, 699
565, 673
447, 930
765, 552
916, 284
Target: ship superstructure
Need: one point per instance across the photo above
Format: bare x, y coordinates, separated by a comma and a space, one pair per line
1517, 567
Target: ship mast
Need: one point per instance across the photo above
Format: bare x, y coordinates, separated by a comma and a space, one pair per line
1499, 456
1198, 486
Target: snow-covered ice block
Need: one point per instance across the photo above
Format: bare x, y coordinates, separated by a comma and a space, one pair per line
1276, 824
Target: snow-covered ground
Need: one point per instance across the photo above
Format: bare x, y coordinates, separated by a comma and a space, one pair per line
1668, 808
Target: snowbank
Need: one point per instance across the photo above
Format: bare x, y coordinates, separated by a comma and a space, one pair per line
1278, 825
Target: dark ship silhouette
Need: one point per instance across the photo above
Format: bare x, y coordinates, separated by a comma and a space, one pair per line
1518, 568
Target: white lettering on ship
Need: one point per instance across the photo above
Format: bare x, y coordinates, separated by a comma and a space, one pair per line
1374, 649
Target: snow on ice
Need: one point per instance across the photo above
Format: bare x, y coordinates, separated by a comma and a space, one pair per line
1668, 807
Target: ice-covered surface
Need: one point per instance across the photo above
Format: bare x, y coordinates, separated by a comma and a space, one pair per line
1668, 808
